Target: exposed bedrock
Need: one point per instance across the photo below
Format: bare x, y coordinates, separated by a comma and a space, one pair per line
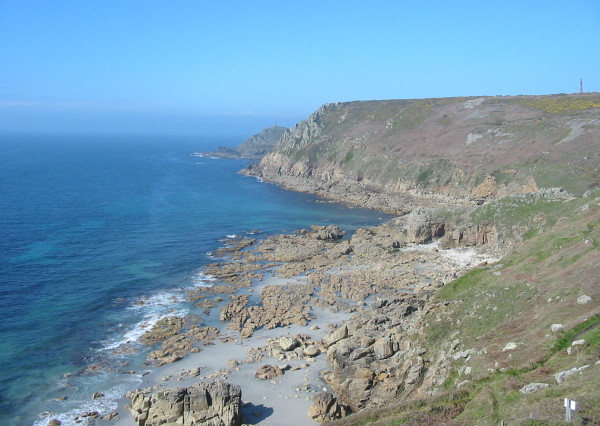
211, 404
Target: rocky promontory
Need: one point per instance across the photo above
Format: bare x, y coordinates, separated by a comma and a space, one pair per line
253, 148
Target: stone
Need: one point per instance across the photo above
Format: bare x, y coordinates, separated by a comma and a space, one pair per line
509, 346
311, 351
110, 416
335, 336
556, 327
54, 422
383, 349
325, 407
561, 376
212, 403
330, 232
465, 354
577, 346
268, 372
97, 395
287, 344
534, 387
583, 299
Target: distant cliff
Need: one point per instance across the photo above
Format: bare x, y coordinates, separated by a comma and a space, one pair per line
258, 145
387, 154
253, 148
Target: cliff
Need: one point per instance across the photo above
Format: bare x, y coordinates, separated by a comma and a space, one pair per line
253, 148
256, 146
391, 154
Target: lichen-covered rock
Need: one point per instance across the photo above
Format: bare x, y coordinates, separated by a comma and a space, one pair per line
211, 404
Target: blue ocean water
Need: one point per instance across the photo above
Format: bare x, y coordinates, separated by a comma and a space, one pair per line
90, 227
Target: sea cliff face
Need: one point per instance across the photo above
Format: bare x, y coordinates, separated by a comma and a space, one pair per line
391, 154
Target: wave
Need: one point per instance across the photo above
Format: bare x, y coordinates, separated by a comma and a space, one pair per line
154, 308
70, 411
200, 279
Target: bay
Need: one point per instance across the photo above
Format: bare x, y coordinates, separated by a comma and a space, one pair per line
97, 234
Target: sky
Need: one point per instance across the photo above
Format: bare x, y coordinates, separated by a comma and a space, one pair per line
235, 67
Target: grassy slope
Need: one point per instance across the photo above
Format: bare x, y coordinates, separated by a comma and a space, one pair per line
422, 143
517, 300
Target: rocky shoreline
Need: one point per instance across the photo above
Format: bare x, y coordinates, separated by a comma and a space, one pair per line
341, 310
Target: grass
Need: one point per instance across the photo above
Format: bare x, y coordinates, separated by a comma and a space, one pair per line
577, 332
562, 104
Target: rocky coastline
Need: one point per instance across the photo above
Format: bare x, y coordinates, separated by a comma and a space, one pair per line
376, 283
321, 324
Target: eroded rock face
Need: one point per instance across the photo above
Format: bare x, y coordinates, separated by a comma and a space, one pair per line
326, 407
213, 404
373, 356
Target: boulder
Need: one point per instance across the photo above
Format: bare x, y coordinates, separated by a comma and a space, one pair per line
335, 336
383, 349
534, 387
287, 344
268, 372
583, 299
561, 376
510, 346
422, 227
212, 403
326, 407
330, 232
577, 346
311, 350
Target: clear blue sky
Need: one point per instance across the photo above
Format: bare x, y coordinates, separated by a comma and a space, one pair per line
194, 66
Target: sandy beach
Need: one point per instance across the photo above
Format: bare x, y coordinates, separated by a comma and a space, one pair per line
285, 399
274, 402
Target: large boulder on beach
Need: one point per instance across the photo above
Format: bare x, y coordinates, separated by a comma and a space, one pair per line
268, 372
329, 232
287, 344
326, 407
212, 403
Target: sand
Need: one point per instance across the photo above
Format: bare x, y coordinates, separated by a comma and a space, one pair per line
282, 401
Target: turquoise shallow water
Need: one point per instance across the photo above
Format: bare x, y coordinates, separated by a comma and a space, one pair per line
91, 225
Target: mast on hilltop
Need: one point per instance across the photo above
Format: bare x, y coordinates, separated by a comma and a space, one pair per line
581, 85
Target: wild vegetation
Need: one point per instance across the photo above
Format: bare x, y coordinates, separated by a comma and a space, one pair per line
518, 299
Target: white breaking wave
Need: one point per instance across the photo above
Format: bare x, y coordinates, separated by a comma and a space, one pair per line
203, 280
79, 406
154, 308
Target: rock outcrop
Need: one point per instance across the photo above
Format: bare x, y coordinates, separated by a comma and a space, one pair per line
211, 404
375, 357
256, 146
325, 407
253, 148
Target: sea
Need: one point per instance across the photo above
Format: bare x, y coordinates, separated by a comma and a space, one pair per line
101, 236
